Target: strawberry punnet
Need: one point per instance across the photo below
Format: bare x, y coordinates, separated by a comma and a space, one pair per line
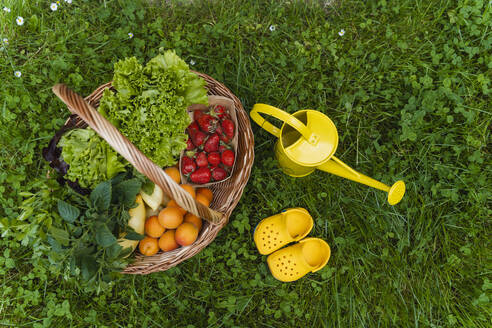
227, 157
214, 159
201, 176
188, 165
212, 143
219, 174
201, 159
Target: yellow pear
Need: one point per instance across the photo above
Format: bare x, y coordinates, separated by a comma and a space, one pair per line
154, 200
137, 222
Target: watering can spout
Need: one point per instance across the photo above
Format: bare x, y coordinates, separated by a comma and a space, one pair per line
337, 167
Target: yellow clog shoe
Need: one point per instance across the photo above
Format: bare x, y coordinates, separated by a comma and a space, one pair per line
293, 262
278, 230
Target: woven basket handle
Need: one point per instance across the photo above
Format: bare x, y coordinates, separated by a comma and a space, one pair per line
77, 105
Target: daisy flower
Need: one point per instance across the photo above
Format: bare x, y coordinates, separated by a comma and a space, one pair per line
6, 9
272, 28
192, 62
18, 73
53, 6
130, 35
342, 32
68, 1
20, 21
5, 41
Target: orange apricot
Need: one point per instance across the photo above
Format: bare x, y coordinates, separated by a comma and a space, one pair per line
205, 192
173, 172
148, 246
167, 242
195, 220
203, 200
190, 189
172, 203
186, 234
170, 217
153, 228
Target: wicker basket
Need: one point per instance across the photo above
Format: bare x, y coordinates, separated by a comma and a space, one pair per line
226, 194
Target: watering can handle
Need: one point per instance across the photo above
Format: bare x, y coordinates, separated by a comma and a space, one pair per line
283, 116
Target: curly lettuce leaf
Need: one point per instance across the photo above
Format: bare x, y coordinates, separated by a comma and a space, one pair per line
91, 160
149, 107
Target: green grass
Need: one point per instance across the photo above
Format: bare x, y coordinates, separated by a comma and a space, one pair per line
408, 86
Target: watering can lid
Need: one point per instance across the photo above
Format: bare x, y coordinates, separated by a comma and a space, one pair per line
311, 154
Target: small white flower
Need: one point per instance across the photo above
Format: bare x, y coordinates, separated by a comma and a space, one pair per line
6, 9
68, 1
272, 28
192, 62
18, 74
342, 32
54, 6
130, 35
5, 41
20, 21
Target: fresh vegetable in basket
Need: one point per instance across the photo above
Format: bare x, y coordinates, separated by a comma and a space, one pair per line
91, 160
98, 231
149, 105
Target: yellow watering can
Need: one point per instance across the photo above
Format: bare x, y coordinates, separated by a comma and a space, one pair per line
307, 141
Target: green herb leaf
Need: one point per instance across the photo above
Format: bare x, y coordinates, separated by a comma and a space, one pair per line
55, 246
126, 192
68, 212
114, 250
60, 235
133, 235
101, 196
148, 187
88, 266
104, 237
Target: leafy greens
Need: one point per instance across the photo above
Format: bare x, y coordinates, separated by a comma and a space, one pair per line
91, 160
149, 107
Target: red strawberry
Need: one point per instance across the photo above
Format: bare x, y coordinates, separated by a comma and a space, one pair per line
220, 112
207, 123
228, 127
212, 143
225, 138
188, 165
197, 114
189, 144
198, 137
219, 109
214, 159
201, 159
219, 174
193, 127
227, 157
222, 147
201, 176
221, 134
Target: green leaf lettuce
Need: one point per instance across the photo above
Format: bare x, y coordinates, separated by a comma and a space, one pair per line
149, 107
